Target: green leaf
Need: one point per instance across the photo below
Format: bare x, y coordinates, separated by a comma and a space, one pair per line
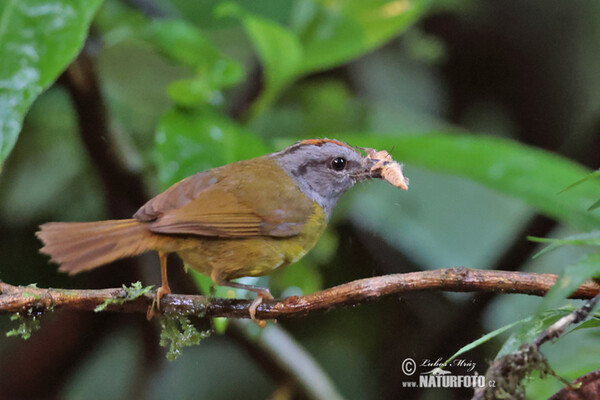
208, 287
296, 280
511, 168
193, 92
336, 31
324, 34
310, 108
536, 324
591, 323
581, 239
531, 329
594, 206
118, 22
570, 279
576, 355
592, 175
38, 39
191, 141
181, 43
486, 338
278, 48
586, 178
187, 45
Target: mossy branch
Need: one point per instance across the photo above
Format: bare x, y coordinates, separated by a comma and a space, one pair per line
19, 298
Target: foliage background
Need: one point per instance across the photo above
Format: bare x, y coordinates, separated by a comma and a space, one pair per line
189, 86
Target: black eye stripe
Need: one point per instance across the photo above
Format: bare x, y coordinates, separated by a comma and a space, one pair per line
301, 170
320, 163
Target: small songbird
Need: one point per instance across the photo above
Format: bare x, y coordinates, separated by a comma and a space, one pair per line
247, 218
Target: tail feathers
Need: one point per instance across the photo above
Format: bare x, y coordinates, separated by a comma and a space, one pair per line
81, 246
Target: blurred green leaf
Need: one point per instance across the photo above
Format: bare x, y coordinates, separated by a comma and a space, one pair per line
508, 167
531, 329
570, 279
594, 206
38, 39
486, 338
591, 175
208, 287
181, 43
279, 50
581, 239
575, 355
48, 169
325, 249
591, 323
118, 22
324, 34
336, 31
296, 280
192, 92
191, 141
187, 45
441, 220
307, 109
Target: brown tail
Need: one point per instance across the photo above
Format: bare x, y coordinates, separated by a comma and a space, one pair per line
81, 246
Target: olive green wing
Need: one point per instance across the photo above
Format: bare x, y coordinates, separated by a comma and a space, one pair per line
214, 205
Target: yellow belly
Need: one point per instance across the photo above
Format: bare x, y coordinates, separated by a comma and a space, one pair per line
235, 258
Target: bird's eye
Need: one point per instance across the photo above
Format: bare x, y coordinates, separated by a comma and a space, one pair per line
338, 164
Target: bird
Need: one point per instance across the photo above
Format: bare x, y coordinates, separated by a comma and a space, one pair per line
247, 218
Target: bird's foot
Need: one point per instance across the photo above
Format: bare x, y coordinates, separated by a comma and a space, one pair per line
262, 294
163, 290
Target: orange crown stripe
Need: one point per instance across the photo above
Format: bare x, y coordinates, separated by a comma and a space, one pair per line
320, 142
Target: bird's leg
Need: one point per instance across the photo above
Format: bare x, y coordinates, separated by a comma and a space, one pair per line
261, 293
164, 289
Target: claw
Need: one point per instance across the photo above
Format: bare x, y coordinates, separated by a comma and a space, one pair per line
261, 295
162, 291
254, 306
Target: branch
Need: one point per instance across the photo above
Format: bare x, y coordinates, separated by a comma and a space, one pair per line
19, 298
509, 371
560, 326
